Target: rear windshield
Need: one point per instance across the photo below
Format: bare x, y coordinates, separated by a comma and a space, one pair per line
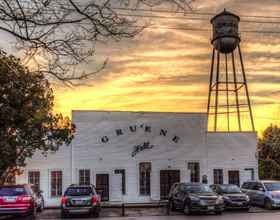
12, 191
197, 188
229, 189
78, 191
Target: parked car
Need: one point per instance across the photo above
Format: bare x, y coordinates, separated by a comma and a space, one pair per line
195, 197
39, 198
17, 200
80, 199
233, 197
264, 193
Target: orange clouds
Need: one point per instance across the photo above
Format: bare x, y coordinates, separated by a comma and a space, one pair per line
169, 70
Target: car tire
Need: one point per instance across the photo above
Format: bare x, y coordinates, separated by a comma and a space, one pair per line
33, 215
218, 212
172, 205
95, 214
268, 204
41, 208
63, 214
186, 209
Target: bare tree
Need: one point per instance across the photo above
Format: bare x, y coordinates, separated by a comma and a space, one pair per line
57, 35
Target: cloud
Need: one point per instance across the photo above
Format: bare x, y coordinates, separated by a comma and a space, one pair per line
168, 70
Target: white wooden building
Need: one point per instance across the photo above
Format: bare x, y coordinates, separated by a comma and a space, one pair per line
136, 156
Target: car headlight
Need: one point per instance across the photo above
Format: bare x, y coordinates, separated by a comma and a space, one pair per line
247, 198
220, 200
226, 198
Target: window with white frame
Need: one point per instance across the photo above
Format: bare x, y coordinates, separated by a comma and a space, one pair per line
84, 177
194, 171
145, 178
34, 179
56, 183
218, 176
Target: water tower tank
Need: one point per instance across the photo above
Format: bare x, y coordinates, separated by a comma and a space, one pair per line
225, 32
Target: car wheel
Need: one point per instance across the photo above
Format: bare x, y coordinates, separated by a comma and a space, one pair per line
172, 205
63, 214
187, 210
268, 204
218, 212
41, 208
33, 215
95, 214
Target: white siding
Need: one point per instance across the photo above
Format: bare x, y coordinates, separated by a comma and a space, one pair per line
211, 150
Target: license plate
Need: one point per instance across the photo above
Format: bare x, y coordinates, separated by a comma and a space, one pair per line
78, 202
10, 198
211, 207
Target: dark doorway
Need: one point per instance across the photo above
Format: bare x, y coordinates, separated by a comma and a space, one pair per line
102, 186
167, 179
233, 177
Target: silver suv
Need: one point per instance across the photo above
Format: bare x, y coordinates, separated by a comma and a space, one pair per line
264, 192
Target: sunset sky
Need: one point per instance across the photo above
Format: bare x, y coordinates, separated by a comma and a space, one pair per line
168, 69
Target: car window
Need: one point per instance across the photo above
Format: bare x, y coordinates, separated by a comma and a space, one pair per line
175, 189
78, 191
213, 187
245, 185
12, 191
251, 185
272, 186
257, 186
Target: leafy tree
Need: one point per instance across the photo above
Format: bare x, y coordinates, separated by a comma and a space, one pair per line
27, 123
269, 153
64, 33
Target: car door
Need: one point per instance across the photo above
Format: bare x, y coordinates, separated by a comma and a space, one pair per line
175, 196
180, 196
250, 191
259, 194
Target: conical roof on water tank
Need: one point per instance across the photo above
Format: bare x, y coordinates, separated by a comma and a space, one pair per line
225, 31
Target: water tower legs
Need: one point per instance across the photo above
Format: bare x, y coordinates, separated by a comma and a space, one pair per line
226, 102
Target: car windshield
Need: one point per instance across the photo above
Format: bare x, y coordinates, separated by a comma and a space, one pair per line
78, 191
197, 188
12, 191
229, 189
272, 186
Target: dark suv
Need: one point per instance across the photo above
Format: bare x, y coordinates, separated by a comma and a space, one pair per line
195, 197
233, 197
17, 200
80, 199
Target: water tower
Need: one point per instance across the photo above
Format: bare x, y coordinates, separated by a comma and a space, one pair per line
229, 105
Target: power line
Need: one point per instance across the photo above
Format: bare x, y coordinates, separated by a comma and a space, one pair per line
204, 30
193, 18
191, 13
184, 13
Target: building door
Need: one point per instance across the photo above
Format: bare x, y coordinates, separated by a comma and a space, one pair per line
167, 179
102, 186
233, 177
